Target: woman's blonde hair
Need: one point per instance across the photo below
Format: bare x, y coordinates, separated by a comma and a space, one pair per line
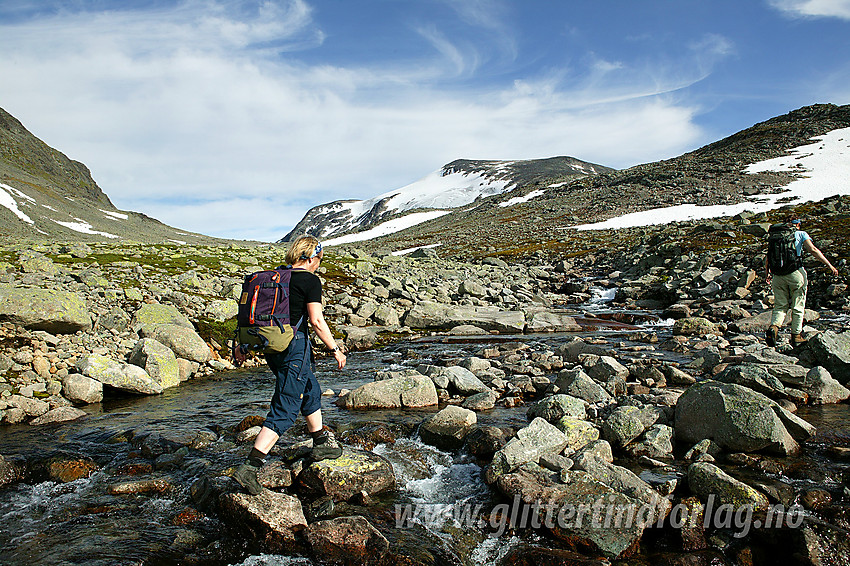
302, 248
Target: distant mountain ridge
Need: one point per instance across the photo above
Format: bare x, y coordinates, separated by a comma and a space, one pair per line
456, 184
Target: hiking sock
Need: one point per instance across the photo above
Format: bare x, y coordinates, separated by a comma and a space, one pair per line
256, 458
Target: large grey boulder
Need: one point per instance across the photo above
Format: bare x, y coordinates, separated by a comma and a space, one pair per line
561, 502
624, 481
832, 351
555, 407
57, 312
124, 377
78, 388
756, 377
576, 383
737, 418
626, 423
30, 407
157, 360
579, 433
405, 391
817, 383
544, 320
448, 428
439, 316
708, 481
537, 439
657, 442
461, 379
603, 368
182, 340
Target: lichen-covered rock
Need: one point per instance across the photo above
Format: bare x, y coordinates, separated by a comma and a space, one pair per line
555, 407
707, 480
30, 407
626, 423
693, 326
124, 377
158, 361
579, 433
58, 312
346, 476
154, 314
183, 341
576, 383
737, 418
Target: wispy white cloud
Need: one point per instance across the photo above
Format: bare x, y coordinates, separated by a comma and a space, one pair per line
204, 116
814, 8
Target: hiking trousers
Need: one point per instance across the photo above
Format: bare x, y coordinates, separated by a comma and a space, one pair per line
789, 293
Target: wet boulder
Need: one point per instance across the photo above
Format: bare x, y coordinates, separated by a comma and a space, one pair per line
157, 360
737, 418
484, 441
448, 428
567, 510
624, 481
404, 391
656, 442
11, 471
707, 480
821, 388
346, 476
347, 540
58, 415
459, 378
57, 312
270, 518
481, 401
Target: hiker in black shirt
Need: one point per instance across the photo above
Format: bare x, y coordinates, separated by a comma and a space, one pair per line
296, 387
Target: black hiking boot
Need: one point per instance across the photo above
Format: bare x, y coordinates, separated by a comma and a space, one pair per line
771, 336
326, 447
246, 476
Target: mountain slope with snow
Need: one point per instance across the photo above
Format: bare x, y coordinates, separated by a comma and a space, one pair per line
457, 184
44, 195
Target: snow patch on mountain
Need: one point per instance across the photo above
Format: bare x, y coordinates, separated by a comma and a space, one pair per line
389, 227
824, 167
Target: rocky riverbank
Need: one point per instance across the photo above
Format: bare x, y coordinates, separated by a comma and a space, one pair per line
622, 421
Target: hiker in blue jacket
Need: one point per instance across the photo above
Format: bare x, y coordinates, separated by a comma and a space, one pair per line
296, 387
789, 291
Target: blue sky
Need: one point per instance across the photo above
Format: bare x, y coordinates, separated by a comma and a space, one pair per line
232, 118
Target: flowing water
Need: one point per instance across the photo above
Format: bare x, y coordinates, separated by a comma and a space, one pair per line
44, 522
